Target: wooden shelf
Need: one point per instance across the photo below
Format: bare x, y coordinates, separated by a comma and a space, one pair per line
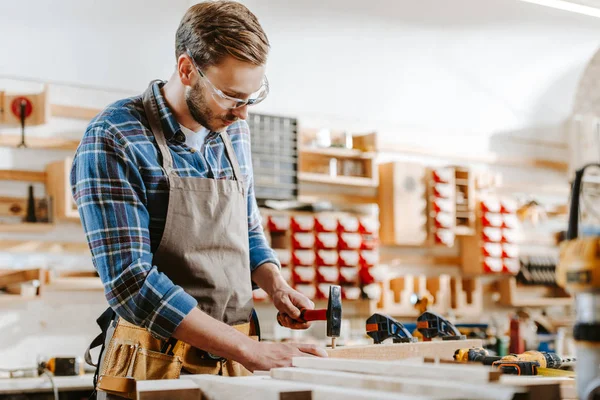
515, 295
75, 284
21, 175
26, 227
8, 140
59, 110
338, 180
37, 246
338, 152
464, 231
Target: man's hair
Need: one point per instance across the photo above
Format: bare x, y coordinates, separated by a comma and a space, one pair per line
212, 30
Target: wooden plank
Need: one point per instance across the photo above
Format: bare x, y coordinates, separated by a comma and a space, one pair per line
26, 227
254, 387
59, 110
46, 143
36, 246
338, 152
466, 373
424, 387
540, 387
389, 352
337, 180
21, 175
168, 389
259, 388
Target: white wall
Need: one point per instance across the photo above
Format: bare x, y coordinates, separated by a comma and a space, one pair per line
431, 73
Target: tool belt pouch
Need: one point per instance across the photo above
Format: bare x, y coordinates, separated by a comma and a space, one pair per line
133, 355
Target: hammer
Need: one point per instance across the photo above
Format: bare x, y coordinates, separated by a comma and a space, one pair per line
333, 314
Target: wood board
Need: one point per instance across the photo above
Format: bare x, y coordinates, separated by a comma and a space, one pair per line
465, 373
422, 387
389, 352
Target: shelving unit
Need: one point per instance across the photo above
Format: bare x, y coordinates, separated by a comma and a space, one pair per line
22, 175
465, 202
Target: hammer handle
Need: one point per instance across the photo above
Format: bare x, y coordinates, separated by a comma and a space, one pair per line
313, 315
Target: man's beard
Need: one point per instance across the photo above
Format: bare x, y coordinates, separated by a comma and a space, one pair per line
200, 111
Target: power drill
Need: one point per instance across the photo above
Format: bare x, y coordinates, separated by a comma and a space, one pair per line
525, 363
578, 271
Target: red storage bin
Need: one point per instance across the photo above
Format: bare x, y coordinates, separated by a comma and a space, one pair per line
348, 224
304, 274
442, 175
368, 225
303, 240
510, 221
445, 237
511, 265
442, 190
328, 274
349, 258
326, 223
327, 257
373, 291
491, 205
491, 234
492, 265
491, 249
351, 292
493, 220
350, 241
284, 256
368, 258
510, 250
323, 290
302, 223
509, 236
278, 223
508, 206
304, 257
369, 275
349, 274
442, 205
327, 240
369, 242
309, 290
444, 220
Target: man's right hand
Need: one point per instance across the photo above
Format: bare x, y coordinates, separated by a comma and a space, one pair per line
263, 356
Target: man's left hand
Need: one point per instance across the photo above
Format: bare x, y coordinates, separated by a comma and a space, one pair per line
289, 302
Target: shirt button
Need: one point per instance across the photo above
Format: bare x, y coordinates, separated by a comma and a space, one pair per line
192, 150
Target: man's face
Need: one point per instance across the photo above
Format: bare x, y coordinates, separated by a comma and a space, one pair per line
234, 78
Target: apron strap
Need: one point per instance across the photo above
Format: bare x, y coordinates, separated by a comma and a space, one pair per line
153, 115
230, 153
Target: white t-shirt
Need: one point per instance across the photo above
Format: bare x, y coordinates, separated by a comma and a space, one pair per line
195, 140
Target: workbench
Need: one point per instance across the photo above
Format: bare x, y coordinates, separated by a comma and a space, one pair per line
75, 384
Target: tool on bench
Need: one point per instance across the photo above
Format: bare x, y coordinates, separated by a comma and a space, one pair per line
333, 314
432, 325
381, 327
521, 364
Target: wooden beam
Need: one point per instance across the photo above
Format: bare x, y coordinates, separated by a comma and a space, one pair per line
466, 373
59, 110
446, 389
21, 175
9, 277
388, 352
46, 143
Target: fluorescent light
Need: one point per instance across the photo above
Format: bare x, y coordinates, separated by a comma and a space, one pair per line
568, 6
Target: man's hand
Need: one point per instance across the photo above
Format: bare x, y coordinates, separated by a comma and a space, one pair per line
289, 302
264, 356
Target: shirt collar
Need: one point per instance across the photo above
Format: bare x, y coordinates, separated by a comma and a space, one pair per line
169, 122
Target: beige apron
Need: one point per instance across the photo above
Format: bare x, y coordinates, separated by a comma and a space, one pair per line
204, 249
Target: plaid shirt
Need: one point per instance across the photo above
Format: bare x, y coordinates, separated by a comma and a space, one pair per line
122, 196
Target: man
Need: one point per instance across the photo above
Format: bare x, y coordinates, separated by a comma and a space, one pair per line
164, 188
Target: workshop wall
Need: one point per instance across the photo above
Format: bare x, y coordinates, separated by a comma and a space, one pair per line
433, 74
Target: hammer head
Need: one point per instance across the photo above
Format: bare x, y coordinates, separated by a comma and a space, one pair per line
334, 311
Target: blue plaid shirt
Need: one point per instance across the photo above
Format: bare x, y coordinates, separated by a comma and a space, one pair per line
122, 196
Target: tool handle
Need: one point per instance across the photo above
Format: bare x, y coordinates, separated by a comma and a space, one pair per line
313, 315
